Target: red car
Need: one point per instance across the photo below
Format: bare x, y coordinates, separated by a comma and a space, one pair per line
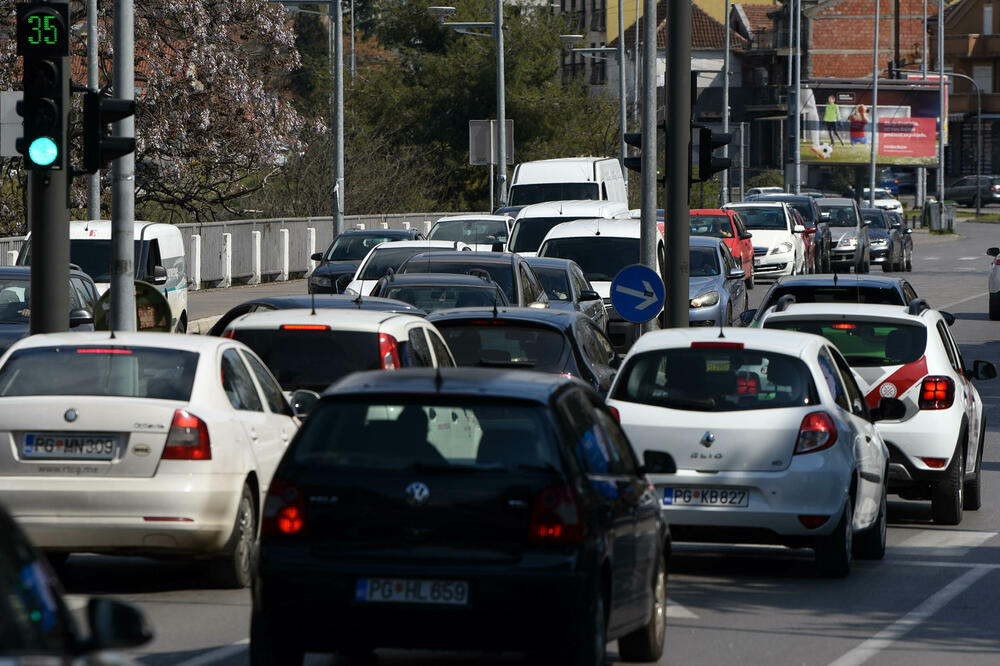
727, 225
808, 241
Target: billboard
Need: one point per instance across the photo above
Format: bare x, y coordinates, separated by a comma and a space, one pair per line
837, 128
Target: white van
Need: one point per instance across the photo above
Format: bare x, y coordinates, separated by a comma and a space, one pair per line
592, 178
533, 222
159, 259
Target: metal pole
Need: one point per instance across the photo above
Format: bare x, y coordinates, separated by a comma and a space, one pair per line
353, 58
921, 184
493, 159
635, 93
338, 125
647, 225
798, 98
790, 34
979, 149
742, 158
623, 119
724, 176
123, 178
679, 159
94, 179
501, 107
49, 217
874, 142
941, 100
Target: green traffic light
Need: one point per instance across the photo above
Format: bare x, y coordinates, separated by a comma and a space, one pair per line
43, 151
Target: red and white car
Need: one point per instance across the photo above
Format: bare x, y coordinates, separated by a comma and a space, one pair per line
908, 353
727, 225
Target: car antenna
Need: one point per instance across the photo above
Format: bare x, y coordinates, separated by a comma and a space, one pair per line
495, 313
312, 298
722, 321
598, 232
357, 301
438, 379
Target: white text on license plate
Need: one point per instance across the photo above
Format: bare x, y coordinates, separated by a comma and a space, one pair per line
705, 497
412, 591
80, 447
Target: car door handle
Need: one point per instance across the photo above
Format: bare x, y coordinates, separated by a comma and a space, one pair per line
868, 438
253, 434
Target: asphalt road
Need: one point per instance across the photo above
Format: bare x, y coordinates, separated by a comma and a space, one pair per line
932, 601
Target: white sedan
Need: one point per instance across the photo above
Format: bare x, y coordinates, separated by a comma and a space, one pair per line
771, 438
141, 443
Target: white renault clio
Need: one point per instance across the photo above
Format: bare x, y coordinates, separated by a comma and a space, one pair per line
771, 438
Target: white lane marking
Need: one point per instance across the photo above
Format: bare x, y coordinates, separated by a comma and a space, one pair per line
929, 258
964, 300
76, 602
217, 655
942, 543
969, 258
914, 618
675, 610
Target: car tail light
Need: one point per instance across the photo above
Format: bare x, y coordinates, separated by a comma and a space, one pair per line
284, 510
817, 432
935, 463
716, 345
187, 438
995, 188
556, 516
388, 351
937, 393
997, 262
811, 522
103, 350
615, 413
304, 327
845, 327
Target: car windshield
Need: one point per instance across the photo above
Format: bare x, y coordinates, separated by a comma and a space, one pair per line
716, 378
875, 219
93, 256
101, 370
529, 232
704, 261
805, 210
763, 218
15, 301
500, 272
438, 297
717, 226
386, 257
839, 216
871, 294
473, 232
600, 257
532, 193
498, 342
352, 246
864, 344
312, 359
450, 434
555, 282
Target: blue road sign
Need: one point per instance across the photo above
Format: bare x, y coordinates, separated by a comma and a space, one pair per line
637, 293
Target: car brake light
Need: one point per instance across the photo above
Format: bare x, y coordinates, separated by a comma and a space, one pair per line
304, 327
811, 522
817, 432
615, 413
845, 327
716, 345
103, 351
284, 510
995, 188
187, 438
388, 351
556, 516
936, 393
935, 463
997, 262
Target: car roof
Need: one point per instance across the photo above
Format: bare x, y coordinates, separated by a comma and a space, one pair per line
621, 228
194, 343
25, 272
705, 241
708, 211
755, 204
574, 208
783, 196
379, 232
847, 311
399, 245
785, 342
340, 319
476, 258
843, 279
557, 317
512, 384
549, 262
336, 301
485, 217
834, 200
453, 279
876, 211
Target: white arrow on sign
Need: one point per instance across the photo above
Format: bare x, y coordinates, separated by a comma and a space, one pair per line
649, 298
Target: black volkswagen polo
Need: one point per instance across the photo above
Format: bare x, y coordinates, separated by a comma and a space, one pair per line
465, 509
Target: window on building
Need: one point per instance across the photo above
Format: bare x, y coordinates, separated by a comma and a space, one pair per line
987, 19
983, 76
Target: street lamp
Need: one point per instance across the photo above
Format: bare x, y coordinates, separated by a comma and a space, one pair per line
620, 54
495, 28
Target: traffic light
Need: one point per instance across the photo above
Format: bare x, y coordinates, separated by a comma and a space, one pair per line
43, 42
99, 147
634, 139
708, 141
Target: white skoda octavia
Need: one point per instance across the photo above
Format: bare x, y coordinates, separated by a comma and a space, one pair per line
772, 440
144, 443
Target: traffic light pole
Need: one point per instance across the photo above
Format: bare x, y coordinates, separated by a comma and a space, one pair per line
676, 217
648, 156
122, 315
49, 219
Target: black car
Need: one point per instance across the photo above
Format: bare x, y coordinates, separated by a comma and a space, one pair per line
461, 509
440, 291
886, 240
567, 287
963, 190
837, 288
811, 216
345, 254
319, 302
896, 221
36, 627
15, 303
546, 340
507, 269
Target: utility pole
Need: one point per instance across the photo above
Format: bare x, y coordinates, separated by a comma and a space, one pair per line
920, 187
797, 155
873, 166
94, 179
724, 176
622, 114
941, 101
676, 215
647, 226
501, 106
122, 315
336, 9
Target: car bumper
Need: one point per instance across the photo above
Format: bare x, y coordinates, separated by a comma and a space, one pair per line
187, 513
879, 255
929, 434
844, 256
776, 265
709, 316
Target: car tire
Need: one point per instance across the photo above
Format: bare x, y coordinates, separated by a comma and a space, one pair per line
909, 262
232, 568
973, 499
870, 544
834, 550
590, 647
270, 647
948, 494
646, 644
995, 306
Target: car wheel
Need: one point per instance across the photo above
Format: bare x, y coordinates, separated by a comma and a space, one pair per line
948, 495
974, 488
750, 280
870, 544
646, 644
995, 306
833, 551
232, 568
271, 647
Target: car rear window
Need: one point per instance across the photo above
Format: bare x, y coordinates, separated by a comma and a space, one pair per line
438, 297
382, 259
864, 343
493, 342
600, 257
473, 232
454, 433
500, 272
717, 226
873, 295
716, 379
100, 370
312, 359
529, 232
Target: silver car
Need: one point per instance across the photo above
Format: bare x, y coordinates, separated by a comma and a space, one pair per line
717, 289
567, 287
850, 245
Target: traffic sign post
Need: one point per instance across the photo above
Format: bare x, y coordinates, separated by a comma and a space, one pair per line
637, 293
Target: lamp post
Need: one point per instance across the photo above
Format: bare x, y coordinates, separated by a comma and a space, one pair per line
874, 140
495, 28
620, 55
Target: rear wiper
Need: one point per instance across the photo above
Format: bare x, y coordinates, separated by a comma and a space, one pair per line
538, 467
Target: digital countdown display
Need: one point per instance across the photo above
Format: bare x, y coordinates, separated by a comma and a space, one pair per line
42, 30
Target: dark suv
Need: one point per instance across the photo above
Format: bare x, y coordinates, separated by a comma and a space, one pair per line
461, 509
963, 190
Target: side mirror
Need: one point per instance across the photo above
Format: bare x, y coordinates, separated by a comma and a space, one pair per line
80, 317
993, 251
159, 275
747, 316
302, 401
589, 295
736, 274
316, 256
798, 229
115, 625
889, 409
983, 370
948, 317
896, 225
746, 236
658, 462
